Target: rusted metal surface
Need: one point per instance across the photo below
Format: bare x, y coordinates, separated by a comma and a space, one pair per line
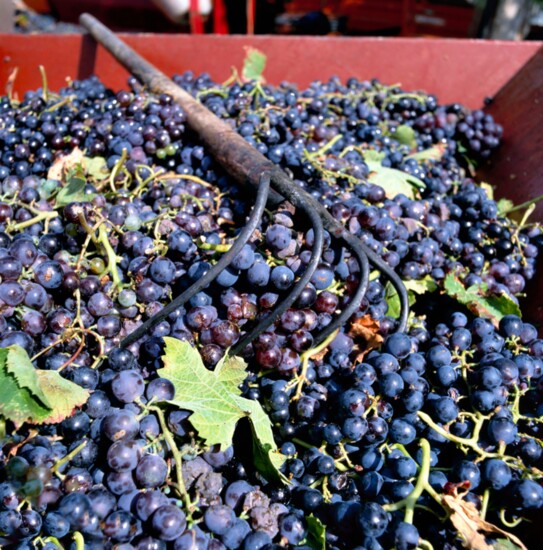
456, 70
246, 164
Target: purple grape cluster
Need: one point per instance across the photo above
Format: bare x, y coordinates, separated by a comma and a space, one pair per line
374, 436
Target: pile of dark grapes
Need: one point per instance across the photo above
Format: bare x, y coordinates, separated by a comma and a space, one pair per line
385, 437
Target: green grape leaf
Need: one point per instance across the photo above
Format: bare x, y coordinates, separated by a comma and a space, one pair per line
371, 155
253, 64
504, 205
63, 394
505, 544
435, 152
478, 300
316, 533
393, 300
421, 286
35, 396
18, 364
73, 191
216, 403
489, 190
393, 181
405, 135
95, 167
17, 404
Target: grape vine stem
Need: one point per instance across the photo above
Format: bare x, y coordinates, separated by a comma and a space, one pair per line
410, 501
178, 458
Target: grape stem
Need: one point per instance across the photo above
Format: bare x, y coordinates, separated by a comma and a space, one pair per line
471, 443
45, 215
79, 541
410, 501
111, 256
484, 504
168, 436
306, 356
67, 458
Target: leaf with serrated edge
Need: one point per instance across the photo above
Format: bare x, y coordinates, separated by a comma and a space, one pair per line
504, 205
421, 286
213, 397
316, 536
95, 167
233, 374
479, 302
65, 395
465, 517
19, 365
393, 299
393, 181
17, 404
32, 395
253, 64
73, 191
435, 152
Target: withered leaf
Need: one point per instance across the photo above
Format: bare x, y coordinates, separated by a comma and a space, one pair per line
471, 526
365, 328
62, 164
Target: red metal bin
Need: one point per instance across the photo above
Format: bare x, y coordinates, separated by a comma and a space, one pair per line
467, 71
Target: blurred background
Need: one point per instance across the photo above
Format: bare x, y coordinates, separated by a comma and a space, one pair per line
496, 19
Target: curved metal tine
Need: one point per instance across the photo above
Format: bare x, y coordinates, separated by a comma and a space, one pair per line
357, 247
314, 261
225, 260
397, 283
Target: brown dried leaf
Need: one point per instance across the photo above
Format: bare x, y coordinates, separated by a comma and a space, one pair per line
471, 526
63, 164
365, 328
10, 83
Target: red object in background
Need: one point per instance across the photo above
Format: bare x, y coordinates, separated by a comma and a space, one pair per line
195, 18
138, 15
405, 17
220, 24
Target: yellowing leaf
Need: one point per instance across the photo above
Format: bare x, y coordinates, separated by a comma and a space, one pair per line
63, 394
233, 374
253, 64
489, 190
469, 524
32, 395
213, 397
504, 205
477, 299
421, 286
435, 152
17, 404
18, 364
